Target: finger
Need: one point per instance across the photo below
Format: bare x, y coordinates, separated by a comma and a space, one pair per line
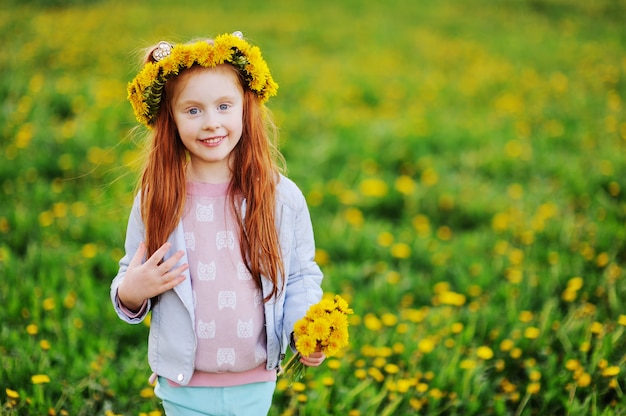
167, 265
312, 362
138, 257
174, 282
159, 254
175, 274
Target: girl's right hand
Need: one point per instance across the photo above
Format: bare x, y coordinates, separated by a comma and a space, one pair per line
147, 280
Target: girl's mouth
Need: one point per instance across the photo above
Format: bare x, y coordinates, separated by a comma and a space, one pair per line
213, 140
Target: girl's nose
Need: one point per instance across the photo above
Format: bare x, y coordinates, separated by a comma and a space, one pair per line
210, 122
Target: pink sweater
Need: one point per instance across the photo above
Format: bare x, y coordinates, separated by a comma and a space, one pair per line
230, 323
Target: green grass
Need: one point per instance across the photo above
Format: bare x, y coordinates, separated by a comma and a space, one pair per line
464, 166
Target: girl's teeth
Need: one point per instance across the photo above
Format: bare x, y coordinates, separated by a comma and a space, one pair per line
211, 141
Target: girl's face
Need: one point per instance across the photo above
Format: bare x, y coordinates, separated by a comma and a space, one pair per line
207, 107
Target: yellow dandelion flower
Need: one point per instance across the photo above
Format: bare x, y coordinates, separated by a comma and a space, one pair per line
147, 392
319, 329
516, 353
89, 250
400, 251
49, 304
316, 311
526, 316
298, 387
575, 283
405, 185
484, 352
393, 277
376, 374
389, 319
584, 380
301, 327
533, 388
384, 239
32, 329
306, 345
611, 371
597, 328
421, 225
436, 394
372, 322
327, 305
342, 305
532, 332
392, 368
569, 295
328, 381
404, 385
40, 379
426, 345
572, 364
429, 177
452, 298
12, 394
373, 187
70, 300
337, 320
333, 364
360, 373
622, 320
468, 364
506, 345
456, 328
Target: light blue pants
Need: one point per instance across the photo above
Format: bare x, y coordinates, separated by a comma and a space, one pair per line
246, 400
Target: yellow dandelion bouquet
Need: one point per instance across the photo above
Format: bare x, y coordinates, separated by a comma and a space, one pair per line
324, 328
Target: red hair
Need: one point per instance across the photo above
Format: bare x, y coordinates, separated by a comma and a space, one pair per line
255, 174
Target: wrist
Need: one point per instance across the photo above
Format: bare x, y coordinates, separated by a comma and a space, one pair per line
130, 304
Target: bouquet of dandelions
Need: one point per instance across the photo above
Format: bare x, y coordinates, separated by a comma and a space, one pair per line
324, 328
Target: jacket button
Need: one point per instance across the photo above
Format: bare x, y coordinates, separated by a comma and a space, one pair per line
181, 377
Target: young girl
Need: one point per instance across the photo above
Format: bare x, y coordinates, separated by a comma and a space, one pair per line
219, 244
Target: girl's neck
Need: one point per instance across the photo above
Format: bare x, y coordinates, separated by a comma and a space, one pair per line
214, 176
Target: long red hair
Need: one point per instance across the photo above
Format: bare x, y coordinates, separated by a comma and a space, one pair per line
255, 174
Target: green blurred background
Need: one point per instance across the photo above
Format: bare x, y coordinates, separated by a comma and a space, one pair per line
464, 166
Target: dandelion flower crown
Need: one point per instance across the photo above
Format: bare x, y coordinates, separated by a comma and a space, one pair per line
167, 61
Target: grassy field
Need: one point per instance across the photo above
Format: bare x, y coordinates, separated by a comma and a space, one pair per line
464, 163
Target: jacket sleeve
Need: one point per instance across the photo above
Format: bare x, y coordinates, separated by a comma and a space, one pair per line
304, 277
135, 234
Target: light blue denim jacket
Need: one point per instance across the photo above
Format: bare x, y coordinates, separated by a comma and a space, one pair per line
172, 340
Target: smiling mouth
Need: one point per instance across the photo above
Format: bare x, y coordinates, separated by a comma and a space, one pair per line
213, 140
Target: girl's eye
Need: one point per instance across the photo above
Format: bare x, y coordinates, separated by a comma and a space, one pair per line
193, 111
223, 107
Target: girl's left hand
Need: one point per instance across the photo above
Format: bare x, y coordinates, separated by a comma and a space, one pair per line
313, 360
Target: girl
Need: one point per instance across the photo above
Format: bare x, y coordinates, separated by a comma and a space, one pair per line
219, 244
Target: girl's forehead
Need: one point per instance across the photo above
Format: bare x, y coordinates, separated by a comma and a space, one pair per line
208, 80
